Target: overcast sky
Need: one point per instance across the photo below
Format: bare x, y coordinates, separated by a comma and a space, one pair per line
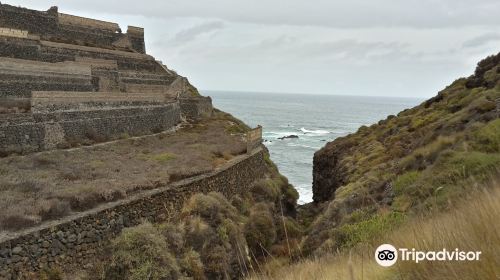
410, 48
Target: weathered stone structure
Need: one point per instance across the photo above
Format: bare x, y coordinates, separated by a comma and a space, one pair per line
78, 239
65, 78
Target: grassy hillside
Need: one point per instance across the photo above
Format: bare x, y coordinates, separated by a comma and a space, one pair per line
470, 225
369, 182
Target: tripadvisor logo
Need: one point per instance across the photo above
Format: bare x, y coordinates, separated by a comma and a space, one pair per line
387, 255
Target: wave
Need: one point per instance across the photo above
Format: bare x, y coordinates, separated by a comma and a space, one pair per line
302, 146
279, 134
317, 132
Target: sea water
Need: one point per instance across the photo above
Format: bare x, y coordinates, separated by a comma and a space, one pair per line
315, 119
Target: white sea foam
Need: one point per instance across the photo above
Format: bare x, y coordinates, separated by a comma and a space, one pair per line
279, 134
291, 144
316, 132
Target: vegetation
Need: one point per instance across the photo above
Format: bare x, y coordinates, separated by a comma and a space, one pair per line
215, 238
471, 224
53, 184
421, 160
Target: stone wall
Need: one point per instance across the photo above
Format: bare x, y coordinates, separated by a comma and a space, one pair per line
52, 101
196, 108
51, 25
76, 240
254, 138
26, 133
19, 77
87, 22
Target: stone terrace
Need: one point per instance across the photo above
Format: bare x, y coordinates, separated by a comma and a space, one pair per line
66, 79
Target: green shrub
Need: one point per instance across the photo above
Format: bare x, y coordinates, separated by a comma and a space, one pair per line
348, 235
404, 180
260, 230
197, 232
212, 207
215, 261
266, 190
457, 166
141, 253
487, 138
192, 266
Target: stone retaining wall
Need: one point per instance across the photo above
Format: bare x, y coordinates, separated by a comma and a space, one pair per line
52, 26
44, 131
87, 22
76, 240
196, 107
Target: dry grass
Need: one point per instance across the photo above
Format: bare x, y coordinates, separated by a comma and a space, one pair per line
472, 225
53, 184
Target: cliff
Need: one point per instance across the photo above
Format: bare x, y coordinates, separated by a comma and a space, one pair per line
175, 189
419, 160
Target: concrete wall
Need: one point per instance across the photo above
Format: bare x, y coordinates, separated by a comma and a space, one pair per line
76, 240
22, 134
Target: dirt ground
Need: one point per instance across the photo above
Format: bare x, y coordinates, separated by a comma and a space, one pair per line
52, 184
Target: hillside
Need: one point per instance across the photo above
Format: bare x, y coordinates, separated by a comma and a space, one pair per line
421, 179
472, 230
113, 166
419, 160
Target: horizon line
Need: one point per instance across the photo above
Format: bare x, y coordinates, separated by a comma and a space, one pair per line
321, 94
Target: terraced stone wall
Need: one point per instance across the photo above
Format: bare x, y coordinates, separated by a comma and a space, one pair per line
75, 241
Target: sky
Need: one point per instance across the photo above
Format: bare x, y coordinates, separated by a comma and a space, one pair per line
403, 48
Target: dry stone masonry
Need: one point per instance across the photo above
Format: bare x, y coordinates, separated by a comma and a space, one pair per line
77, 240
66, 78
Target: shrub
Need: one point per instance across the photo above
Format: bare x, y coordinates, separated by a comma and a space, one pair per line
53, 209
141, 253
348, 235
197, 233
260, 230
191, 264
487, 138
18, 221
216, 261
457, 166
54, 273
213, 208
265, 190
404, 180
92, 134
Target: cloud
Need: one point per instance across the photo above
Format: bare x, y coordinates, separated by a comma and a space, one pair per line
192, 33
379, 47
332, 13
481, 40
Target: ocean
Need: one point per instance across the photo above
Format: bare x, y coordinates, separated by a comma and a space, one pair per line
315, 119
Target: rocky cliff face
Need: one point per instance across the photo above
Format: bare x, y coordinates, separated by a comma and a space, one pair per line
417, 160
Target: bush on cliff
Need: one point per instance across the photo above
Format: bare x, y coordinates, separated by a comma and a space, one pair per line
141, 253
214, 238
260, 230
